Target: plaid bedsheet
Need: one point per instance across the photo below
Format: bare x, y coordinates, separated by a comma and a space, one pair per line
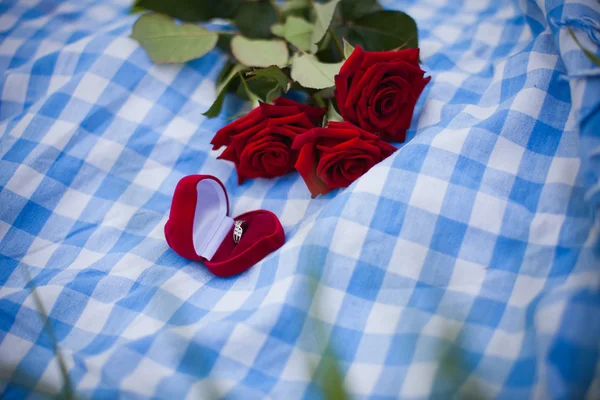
468, 263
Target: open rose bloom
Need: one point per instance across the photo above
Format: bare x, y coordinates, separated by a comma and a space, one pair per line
260, 143
335, 156
378, 91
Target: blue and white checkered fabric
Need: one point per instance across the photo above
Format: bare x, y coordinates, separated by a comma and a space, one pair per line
477, 242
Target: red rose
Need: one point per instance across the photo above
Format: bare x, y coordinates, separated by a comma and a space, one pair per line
378, 91
260, 143
259, 117
335, 156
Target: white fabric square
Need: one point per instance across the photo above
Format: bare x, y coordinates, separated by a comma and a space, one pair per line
293, 211
205, 93
428, 194
57, 82
13, 349
431, 113
278, 292
443, 328
122, 47
505, 344
93, 370
348, 238
244, 344
361, 378
231, 301
299, 366
181, 284
59, 134
328, 304
383, 319
549, 316
563, 170
471, 63
24, 122
39, 252
141, 326
24, 181
408, 259
90, 88
165, 73
130, 266
451, 140
373, 181
525, 290
152, 175
545, 228
85, 259
47, 295
447, 33
104, 154
489, 33
103, 13
529, 101
9, 45
72, 203
51, 380
135, 108
487, 213
158, 232
541, 60
506, 156
146, 377
480, 112
180, 129
419, 379
4, 227
467, 277
94, 316
15, 87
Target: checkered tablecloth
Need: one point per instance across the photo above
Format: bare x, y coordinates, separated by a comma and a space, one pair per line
467, 263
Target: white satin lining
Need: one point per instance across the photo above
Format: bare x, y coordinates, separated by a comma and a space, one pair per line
211, 223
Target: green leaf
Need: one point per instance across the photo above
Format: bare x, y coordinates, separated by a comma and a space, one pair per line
277, 30
332, 380
267, 83
251, 96
259, 53
265, 89
298, 32
224, 73
323, 15
348, 49
215, 108
384, 30
309, 72
224, 44
354, 9
332, 114
254, 19
593, 58
167, 42
191, 10
275, 74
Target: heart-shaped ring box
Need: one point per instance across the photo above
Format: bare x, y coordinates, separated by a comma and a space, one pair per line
199, 228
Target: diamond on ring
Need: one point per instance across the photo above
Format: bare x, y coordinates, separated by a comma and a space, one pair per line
238, 231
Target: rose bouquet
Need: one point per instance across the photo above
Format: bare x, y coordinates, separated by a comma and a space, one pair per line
355, 65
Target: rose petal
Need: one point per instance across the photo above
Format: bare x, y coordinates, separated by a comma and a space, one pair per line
306, 165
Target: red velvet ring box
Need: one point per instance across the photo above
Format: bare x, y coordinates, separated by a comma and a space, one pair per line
199, 228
